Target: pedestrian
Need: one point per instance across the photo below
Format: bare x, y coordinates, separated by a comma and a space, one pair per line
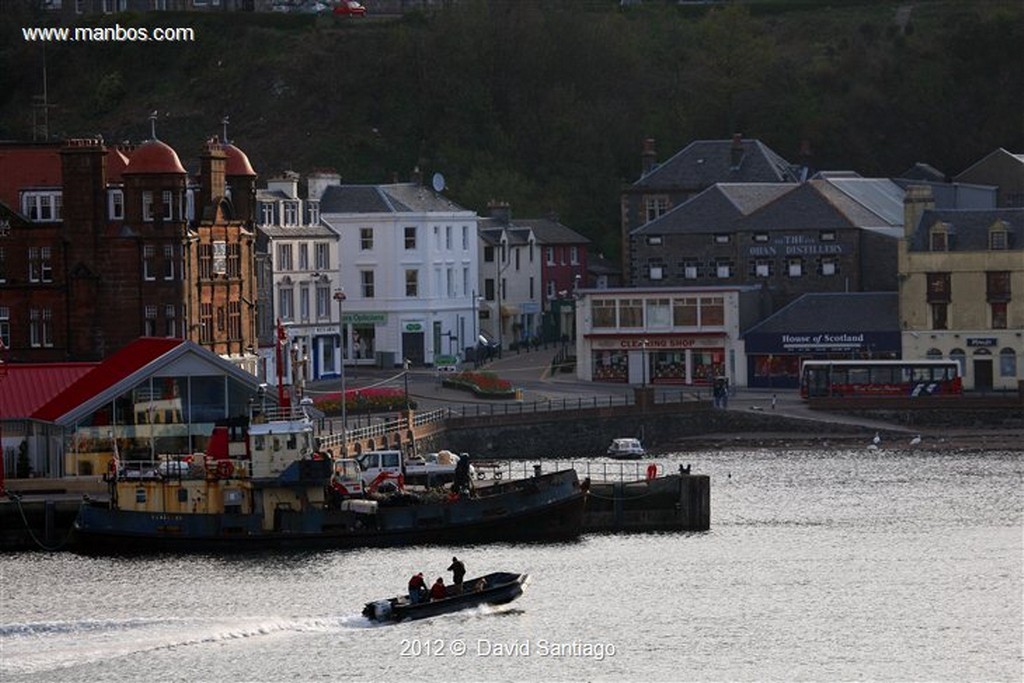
458, 571
773, 401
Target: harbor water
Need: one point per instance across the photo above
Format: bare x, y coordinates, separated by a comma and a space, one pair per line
836, 565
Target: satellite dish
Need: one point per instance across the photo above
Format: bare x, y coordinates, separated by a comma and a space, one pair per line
437, 182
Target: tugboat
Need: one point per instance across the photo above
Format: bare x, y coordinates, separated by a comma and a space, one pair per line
275, 490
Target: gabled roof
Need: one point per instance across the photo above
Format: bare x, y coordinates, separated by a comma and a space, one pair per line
866, 202
802, 208
550, 231
969, 229
26, 387
716, 209
703, 163
115, 368
1010, 156
27, 165
396, 198
835, 311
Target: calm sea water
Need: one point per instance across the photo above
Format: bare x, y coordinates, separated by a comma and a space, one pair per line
819, 566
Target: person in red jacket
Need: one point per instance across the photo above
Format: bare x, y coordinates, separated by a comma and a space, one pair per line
438, 591
417, 589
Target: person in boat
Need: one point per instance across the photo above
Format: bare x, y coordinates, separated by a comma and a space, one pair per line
458, 571
438, 591
480, 585
461, 483
417, 589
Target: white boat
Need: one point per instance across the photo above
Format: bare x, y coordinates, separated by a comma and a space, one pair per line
626, 449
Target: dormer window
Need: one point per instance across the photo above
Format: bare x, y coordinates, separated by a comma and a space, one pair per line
998, 239
291, 213
939, 239
115, 208
266, 213
314, 213
41, 206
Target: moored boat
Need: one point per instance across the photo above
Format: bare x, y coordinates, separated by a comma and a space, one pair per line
498, 588
626, 449
275, 492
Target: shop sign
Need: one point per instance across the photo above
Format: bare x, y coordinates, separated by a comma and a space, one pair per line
413, 326
982, 341
795, 245
659, 344
365, 318
822, 342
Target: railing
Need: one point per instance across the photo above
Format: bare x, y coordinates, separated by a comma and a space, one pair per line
595, 470
379, 429
563, 404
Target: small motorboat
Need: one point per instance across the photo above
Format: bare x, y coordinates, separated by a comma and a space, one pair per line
626, 449
497, 588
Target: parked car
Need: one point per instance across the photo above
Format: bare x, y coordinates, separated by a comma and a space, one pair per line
350, 7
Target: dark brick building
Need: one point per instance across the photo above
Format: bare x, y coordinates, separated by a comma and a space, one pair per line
102, 245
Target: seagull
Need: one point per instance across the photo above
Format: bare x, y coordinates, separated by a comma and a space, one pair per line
877, 440
916, 440
872, 447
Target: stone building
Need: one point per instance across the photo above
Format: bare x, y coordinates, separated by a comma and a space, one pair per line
961, 277
107, 244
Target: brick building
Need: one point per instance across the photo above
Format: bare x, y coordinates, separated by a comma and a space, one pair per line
101, 245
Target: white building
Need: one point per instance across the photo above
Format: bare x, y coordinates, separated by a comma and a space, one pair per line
664, 336
510, 282
408, 267
304, 258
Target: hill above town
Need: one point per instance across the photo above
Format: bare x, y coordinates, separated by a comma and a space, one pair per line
543, 105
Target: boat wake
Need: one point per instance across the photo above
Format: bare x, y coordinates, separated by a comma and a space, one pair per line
39, 647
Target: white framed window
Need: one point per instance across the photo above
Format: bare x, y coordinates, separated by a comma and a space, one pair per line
410, 238
762, 268
149, 321
3, 265
366, 283
449, 280
796, 267
323, 302
412, 282
266, 213
147, 206
655, 272
465, 238
169, 263
550, 289
115, 205
574, 255
35, 328
148, 267
168, 199
322, 256
366, 239
41, 206
549, 255
291, 213
723, 269
33, 264
5, 327
303, 256
304, 302
314, 212
655, 206
448, 237
170, 315
829, 266
691, 270
286, 303
284, 257
998, 240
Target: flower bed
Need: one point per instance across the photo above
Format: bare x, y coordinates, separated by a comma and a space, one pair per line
370, 400
483, 384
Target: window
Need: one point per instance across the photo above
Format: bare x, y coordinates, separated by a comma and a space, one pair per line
939, 288
760, 237
410, 241
723, 239
314, 212
205, 261
449, 282
148, 267
323, 303
574, 255
366, 239
684, 312
40, 265
655, 272
997, 285
939, 239
762, 268
147, 206
3, 265
234, 320
796, 267
366, 283
827, 236
266, 213
655, 206
549, 255
829, 265
723, 269
412, 282
448, 237
322, 256
40, 326
603, 312
691, 270
284, 257
286, 303
291, 213
303, 256
712, 311
115, 205
41, 206
532, 284
515, 251
997, 238
149, 321
205, 323
549, 289
489, 289
1007, 363
169, 320
168, 200
998, 315
631, 313
220, 257
465, 238
304, 302
659, 313
654, 240
5, 327
939, 317
234, 260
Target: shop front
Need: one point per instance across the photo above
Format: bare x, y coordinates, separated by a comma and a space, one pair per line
659, 359
774, 359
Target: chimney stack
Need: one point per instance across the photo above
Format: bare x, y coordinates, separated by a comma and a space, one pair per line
648, 158
211, 175
916, 201
500, 211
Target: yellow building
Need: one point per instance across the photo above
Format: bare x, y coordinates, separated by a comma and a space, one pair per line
961, 277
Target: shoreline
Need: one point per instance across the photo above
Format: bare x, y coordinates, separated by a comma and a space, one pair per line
945, 440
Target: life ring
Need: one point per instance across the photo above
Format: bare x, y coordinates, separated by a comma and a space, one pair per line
225, 468
652, 471
111, 466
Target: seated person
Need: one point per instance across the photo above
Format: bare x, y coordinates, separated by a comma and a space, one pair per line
480, 585
438, 591
417, 589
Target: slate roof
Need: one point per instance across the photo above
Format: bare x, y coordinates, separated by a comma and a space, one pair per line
968, 229
803, 207
297, 231
396, 198
836, 311
867, 202
548, 231
26, 387
703, 163
716, 209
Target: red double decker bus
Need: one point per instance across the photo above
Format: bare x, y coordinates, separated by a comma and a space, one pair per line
836, 378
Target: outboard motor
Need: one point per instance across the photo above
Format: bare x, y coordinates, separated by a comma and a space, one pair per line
379, 610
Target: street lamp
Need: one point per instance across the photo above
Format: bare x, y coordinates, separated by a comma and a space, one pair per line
339, 296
